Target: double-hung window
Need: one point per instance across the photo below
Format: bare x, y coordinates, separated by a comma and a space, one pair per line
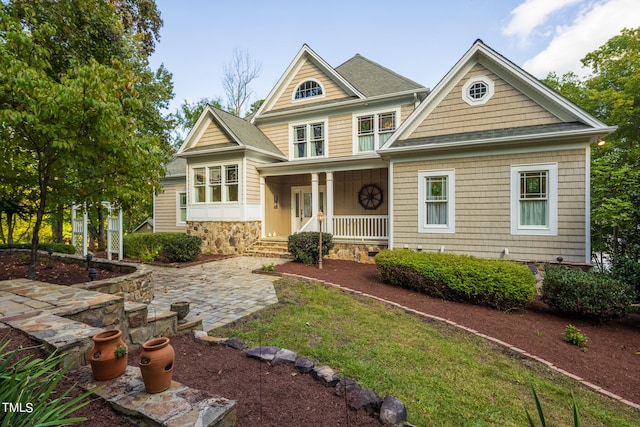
216, 184
534, 199
309, 140
373, 130
182, 208
199, 185
436, 201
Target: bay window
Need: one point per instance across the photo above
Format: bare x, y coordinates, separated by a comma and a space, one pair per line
215, 184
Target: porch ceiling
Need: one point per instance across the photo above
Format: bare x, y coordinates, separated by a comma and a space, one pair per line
334, 164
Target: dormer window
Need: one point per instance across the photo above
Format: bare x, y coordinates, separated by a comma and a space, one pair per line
308, 89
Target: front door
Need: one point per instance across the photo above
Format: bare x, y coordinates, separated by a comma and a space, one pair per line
301, 209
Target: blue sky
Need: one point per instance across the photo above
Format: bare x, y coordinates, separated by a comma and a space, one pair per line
421, 40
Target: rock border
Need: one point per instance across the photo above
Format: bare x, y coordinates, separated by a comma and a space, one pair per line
389, 410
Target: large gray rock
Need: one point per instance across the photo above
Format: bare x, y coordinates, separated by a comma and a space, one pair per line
266, 353
303, 365
393, 411
365, 400
284, 357
234, 343
325, 375
347, 386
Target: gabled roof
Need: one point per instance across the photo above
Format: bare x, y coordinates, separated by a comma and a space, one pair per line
243, 135
372, 79
306, 54
576, 121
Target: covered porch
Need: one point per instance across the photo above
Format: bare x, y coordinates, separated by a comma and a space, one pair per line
353, 199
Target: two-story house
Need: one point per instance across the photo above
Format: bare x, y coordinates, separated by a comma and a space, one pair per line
490, 163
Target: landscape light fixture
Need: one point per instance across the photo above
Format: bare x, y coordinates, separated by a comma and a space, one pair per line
320, 218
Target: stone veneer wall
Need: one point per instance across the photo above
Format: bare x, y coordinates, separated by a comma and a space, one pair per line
355, 252
225, 237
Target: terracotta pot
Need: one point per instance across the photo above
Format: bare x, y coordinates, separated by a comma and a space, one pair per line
156, 364
104, 362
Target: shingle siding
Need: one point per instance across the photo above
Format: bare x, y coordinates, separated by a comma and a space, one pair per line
483, 207
506, 109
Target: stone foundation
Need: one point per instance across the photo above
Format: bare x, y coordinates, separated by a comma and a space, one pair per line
225, 237
363, 253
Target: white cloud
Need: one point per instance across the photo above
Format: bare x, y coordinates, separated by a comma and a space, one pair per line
532, 14
594, 25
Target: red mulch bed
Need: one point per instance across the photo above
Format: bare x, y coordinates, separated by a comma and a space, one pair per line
277, 396
611, 362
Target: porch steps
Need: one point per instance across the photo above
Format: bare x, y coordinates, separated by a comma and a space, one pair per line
270, 249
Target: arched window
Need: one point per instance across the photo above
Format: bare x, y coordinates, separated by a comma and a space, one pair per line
308, 89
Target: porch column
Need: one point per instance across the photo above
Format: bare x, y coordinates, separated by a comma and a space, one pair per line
263, 203
315, 197
329, 207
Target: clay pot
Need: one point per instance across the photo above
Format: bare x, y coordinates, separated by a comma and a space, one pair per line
105, 364
156, 364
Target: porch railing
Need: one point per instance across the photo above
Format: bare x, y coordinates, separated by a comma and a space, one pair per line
368, 227
364, 227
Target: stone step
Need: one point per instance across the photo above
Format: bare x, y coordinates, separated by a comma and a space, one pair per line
177, 406
57, 333
268, 254
269, 249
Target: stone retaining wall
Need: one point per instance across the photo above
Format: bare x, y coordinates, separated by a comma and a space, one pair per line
225, 237
136, 285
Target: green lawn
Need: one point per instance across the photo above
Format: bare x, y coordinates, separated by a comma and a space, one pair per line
444, 376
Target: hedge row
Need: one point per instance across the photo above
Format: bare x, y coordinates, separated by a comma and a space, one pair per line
57, 247
592, 295
174, 247
499, 284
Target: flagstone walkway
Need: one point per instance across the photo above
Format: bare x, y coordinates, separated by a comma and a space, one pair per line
219, 292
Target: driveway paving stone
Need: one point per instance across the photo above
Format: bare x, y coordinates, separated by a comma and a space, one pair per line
219, 292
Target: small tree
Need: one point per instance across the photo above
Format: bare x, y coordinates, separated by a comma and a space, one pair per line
238, 74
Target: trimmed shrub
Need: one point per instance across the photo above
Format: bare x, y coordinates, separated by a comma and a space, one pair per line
304, 246
174, 247
626, 270
178, 247
500, 284
57, 247
591, 295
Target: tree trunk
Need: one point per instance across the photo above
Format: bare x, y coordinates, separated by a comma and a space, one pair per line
57, 224
35, 240
101, 235
11, 223
2, 239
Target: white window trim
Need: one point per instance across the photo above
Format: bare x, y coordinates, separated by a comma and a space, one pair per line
308, 123
450, 227
223, 183
295, 89
376, 134
551, 229
475, 102
178, 208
